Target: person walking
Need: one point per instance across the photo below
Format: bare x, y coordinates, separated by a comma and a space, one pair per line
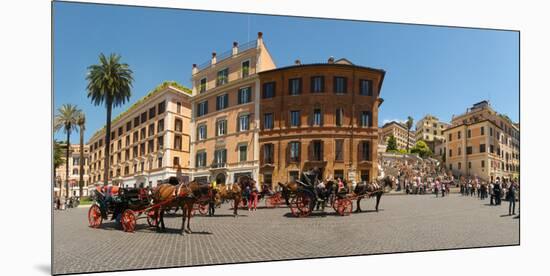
253, 200
497, 192
492, 193
212, 199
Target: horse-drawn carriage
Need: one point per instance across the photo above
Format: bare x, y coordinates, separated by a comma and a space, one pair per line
308, 195
126, 208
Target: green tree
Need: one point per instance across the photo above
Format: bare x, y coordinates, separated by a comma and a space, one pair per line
422, 149
66, 120
57, 158
392, 144
409, 124
109, 83
81, 121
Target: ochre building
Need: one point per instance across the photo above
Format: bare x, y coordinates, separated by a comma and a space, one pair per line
322, 115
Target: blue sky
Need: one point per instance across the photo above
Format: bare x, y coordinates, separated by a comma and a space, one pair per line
435, 70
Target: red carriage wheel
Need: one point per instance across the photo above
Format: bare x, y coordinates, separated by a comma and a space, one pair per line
344, 206
152, 218
128, 221
270, 202
203, 208
303, 203
294, 207
94, 216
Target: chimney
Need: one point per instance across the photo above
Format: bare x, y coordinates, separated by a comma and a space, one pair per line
235, 48
213, 58
331, 60
260, 39
195, 69
297, 62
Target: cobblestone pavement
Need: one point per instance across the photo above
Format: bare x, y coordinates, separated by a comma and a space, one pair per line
404, 223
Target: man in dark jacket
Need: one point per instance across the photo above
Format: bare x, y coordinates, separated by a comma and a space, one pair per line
496, 192
512, 199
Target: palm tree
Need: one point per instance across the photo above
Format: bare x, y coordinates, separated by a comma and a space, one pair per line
81, 122
66, 119
410, 122
109, 83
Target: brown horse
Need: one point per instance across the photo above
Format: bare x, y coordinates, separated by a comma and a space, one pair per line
288, 189
183, 196
231, 192
370, 190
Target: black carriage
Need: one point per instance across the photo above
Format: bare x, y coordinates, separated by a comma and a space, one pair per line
125, 208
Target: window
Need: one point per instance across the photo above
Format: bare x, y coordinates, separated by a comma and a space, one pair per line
293, 175
128, 126
126, 170
242, 153
294, 151
178, 107
127, 154
135, 151
450, 137
482, 148
75, 171
119, 144
178, 125
222, 77
162, 107
160, 143
339, 116
339, 150
143, 117
295, 118
469, 165
451, 167
244, 95
220, 157
221, 127
159, 164
460, 150
482, 130
365, 150
450, 153
340, 85
200, 159
152, 112
269, 90
119, 131
112, 135
469, 133
317, 84
222, 101
459, 165
151, 129
459, 134
245, 68
243, 122
160, 126
317, 150
202, 85
366, 119
491, 148
142, 149
127, 141
151, 146
268, 153
365, 87
142, 133
268, 121
483, 163
295, 86
317, 117
176, 161
490, 131
201, 132
202, 108
177, 142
